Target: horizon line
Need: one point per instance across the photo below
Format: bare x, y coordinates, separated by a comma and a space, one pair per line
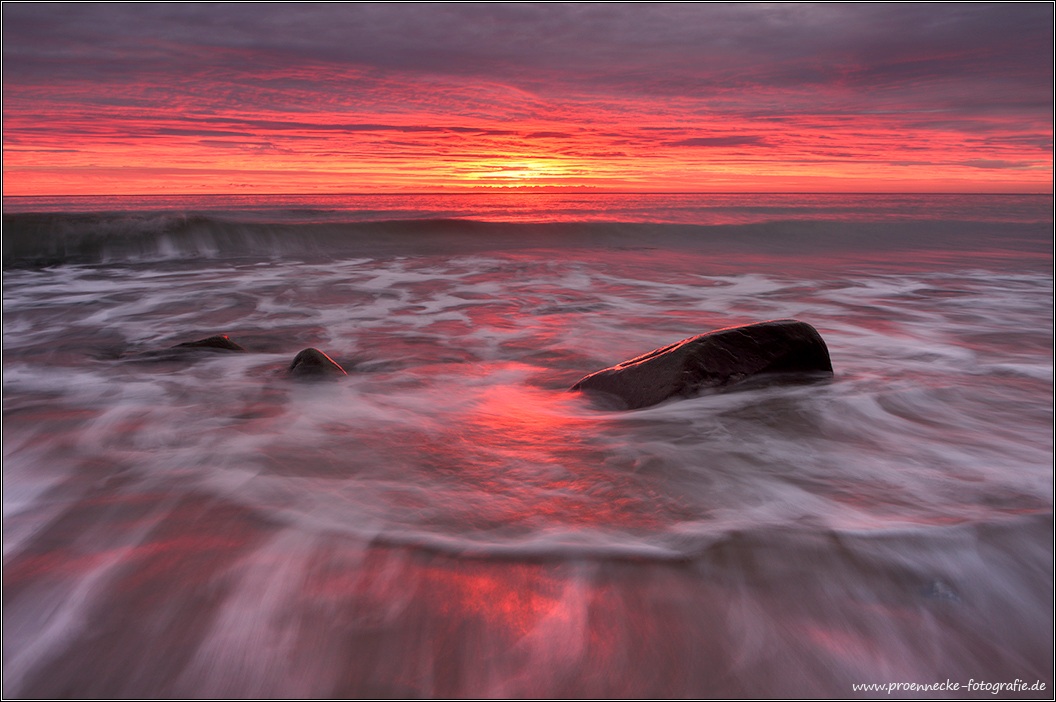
513, 191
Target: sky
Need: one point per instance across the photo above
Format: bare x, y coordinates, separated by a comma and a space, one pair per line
288, 98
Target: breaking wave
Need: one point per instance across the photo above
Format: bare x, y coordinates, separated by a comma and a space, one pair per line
48, 239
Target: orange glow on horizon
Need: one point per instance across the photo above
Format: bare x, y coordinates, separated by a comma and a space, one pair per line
196, 116
125, 155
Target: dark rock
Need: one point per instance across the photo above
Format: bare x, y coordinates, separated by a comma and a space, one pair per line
220, 342
711, 360
314, 364
188, 352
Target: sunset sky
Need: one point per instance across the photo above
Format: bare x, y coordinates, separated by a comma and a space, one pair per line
284, 98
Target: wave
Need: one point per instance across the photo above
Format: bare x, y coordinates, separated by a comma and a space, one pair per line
49, 239
34, 239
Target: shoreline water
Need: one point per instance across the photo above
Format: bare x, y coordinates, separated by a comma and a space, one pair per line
449, 522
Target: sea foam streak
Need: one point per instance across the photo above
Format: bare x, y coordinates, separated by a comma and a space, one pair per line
450, 521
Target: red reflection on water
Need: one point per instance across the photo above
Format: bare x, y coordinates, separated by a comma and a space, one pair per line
534, 463
444, 627
192, 540
511, 596
514, 599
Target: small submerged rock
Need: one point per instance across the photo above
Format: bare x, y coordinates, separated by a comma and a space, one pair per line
188, 352
714, 359
313, 364
940, 590
220, 342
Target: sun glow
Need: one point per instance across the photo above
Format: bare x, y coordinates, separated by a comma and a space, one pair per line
674, 109
515, 171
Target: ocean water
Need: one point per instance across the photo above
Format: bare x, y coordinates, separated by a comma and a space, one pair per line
450, 521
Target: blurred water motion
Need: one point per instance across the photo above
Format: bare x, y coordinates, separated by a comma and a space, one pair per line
201, 597
448, 521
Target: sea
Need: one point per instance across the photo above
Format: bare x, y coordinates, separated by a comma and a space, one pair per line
450, 520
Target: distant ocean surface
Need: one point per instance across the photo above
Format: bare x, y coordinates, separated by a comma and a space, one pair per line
450, 521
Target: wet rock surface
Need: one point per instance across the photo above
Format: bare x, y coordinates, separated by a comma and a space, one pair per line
313, 364
719, 358
220, 342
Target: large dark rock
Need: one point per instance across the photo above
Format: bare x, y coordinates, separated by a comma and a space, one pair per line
715, 359
313, 364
